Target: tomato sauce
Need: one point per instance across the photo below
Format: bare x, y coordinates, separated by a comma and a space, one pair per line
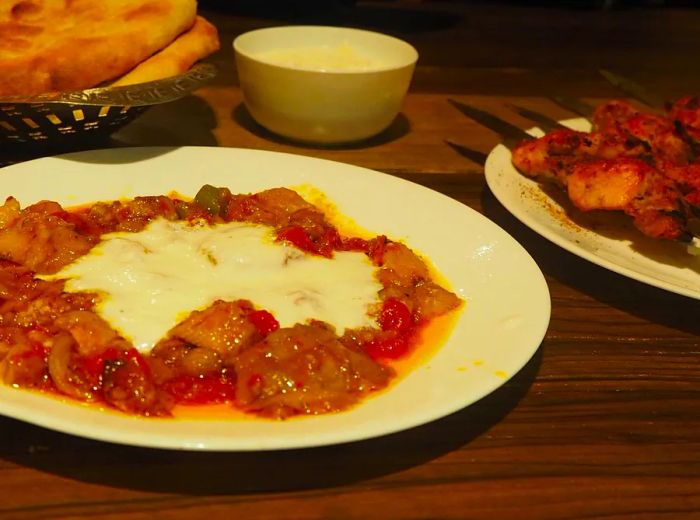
231, 355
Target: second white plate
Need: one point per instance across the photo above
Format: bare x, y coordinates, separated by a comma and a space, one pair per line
608, 240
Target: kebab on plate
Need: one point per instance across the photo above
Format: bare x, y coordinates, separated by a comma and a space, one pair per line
641, 163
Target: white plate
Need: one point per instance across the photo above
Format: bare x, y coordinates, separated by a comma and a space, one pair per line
505, 318
606, 238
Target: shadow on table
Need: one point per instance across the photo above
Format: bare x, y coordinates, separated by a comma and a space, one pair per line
203, 473
398, 128
647, 302
189, 121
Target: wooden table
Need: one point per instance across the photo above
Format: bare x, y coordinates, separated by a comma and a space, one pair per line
604, 422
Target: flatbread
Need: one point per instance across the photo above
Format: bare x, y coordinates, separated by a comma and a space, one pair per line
61, 45
199, 41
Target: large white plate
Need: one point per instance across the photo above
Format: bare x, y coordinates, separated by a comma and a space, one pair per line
505, 318
605, 238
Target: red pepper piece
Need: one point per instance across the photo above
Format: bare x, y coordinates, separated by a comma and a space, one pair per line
395, 315
296, 236
388, 348
81, 224
355, 244
201, 390
94, 365
264, 322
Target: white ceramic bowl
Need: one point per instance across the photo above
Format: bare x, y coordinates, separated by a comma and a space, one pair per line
323, 84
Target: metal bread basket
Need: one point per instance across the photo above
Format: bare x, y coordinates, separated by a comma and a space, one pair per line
57, 118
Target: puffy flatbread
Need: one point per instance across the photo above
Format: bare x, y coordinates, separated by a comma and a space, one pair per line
60, 45
199, 41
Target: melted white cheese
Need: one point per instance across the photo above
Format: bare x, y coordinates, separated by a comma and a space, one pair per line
151, 280
340, 58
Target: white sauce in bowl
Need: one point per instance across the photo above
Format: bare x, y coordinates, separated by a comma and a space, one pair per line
338, 58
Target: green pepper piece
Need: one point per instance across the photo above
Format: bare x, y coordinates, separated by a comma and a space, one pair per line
209, 197
182, 209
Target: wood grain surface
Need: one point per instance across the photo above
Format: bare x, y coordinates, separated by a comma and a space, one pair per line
604, 422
